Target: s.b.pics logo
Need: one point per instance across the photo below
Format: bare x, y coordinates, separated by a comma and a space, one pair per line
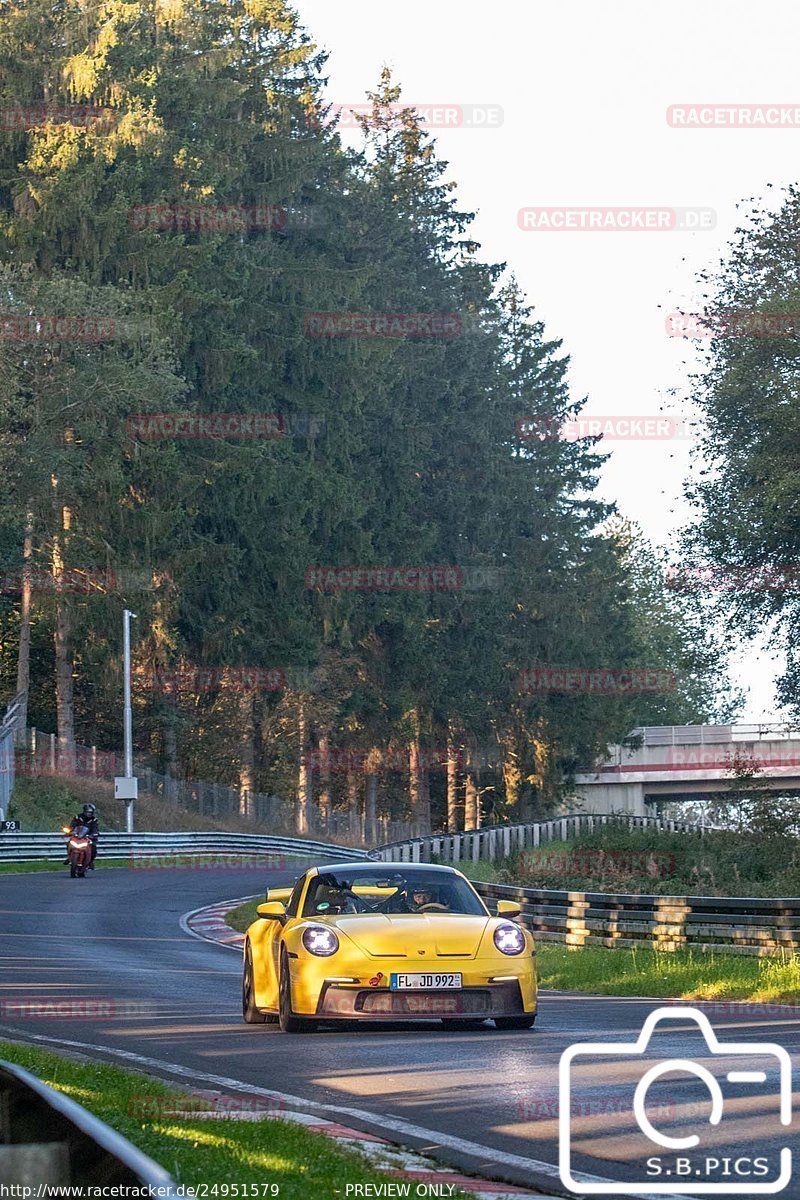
723, 1137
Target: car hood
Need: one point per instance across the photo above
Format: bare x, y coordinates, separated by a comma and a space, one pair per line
405, 934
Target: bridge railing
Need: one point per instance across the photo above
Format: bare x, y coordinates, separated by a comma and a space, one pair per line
750, 926
713, 735
501, 841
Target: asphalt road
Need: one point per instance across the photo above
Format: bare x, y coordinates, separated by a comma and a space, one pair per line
170, 1003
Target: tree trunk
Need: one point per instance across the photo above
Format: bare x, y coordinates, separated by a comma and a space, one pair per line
24, 655
418, 785
353, 805
247, 733
470, 801
169, 738
452, 783
324, 799
414, 775
371, 812
425, 801
65, 707
301, 800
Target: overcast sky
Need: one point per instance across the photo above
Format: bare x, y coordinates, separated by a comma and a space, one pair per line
584, 87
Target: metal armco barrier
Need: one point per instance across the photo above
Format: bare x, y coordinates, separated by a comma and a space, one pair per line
758, 925
138, 848
501, 841
71, 1145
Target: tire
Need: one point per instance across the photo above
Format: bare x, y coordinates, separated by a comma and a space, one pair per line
526, 1022
289, 1023
73, 871
454, 1023
251, 1014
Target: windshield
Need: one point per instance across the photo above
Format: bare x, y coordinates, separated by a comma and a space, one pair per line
393, 891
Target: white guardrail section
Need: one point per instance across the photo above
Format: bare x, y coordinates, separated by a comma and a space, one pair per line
140, 848
501, 841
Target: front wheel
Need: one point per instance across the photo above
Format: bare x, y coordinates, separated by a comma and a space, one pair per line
526, 1022
289, 1023
73, 871
251, 1014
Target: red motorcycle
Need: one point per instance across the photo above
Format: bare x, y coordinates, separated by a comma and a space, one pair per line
79, 850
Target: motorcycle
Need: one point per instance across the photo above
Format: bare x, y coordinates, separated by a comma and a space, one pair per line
79, 850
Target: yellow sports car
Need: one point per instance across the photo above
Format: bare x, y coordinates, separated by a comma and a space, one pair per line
374, 941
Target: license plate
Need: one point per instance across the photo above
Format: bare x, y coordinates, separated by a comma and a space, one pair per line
430, 982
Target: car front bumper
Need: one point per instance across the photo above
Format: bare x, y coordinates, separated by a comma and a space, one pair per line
382, 1004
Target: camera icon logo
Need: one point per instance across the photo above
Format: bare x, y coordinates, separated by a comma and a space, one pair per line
671, 1164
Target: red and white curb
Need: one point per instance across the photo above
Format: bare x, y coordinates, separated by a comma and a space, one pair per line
393, 1160
209, 923
419, 1172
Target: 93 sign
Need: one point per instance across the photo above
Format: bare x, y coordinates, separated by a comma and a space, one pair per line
9, 826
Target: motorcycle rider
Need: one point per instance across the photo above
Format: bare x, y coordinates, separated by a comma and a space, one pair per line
87, 818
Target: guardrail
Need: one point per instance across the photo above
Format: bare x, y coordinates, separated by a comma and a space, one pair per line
139, 847
744, 925
73, 1146
501, 841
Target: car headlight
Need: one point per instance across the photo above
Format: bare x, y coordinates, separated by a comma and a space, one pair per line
509, 939
319, 940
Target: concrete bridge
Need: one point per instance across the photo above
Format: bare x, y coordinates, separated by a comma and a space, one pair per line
687, 762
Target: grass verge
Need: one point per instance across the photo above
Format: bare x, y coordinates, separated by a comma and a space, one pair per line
196, 1151
680, 974
239, 918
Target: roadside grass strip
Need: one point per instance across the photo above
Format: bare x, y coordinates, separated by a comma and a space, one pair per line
679, 974
239, 918
203, 1141
207, 1139
51, 864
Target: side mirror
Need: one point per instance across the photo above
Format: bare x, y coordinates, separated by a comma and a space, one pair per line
508, 908
273, 910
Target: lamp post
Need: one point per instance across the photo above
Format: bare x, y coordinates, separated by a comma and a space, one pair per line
126, 786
